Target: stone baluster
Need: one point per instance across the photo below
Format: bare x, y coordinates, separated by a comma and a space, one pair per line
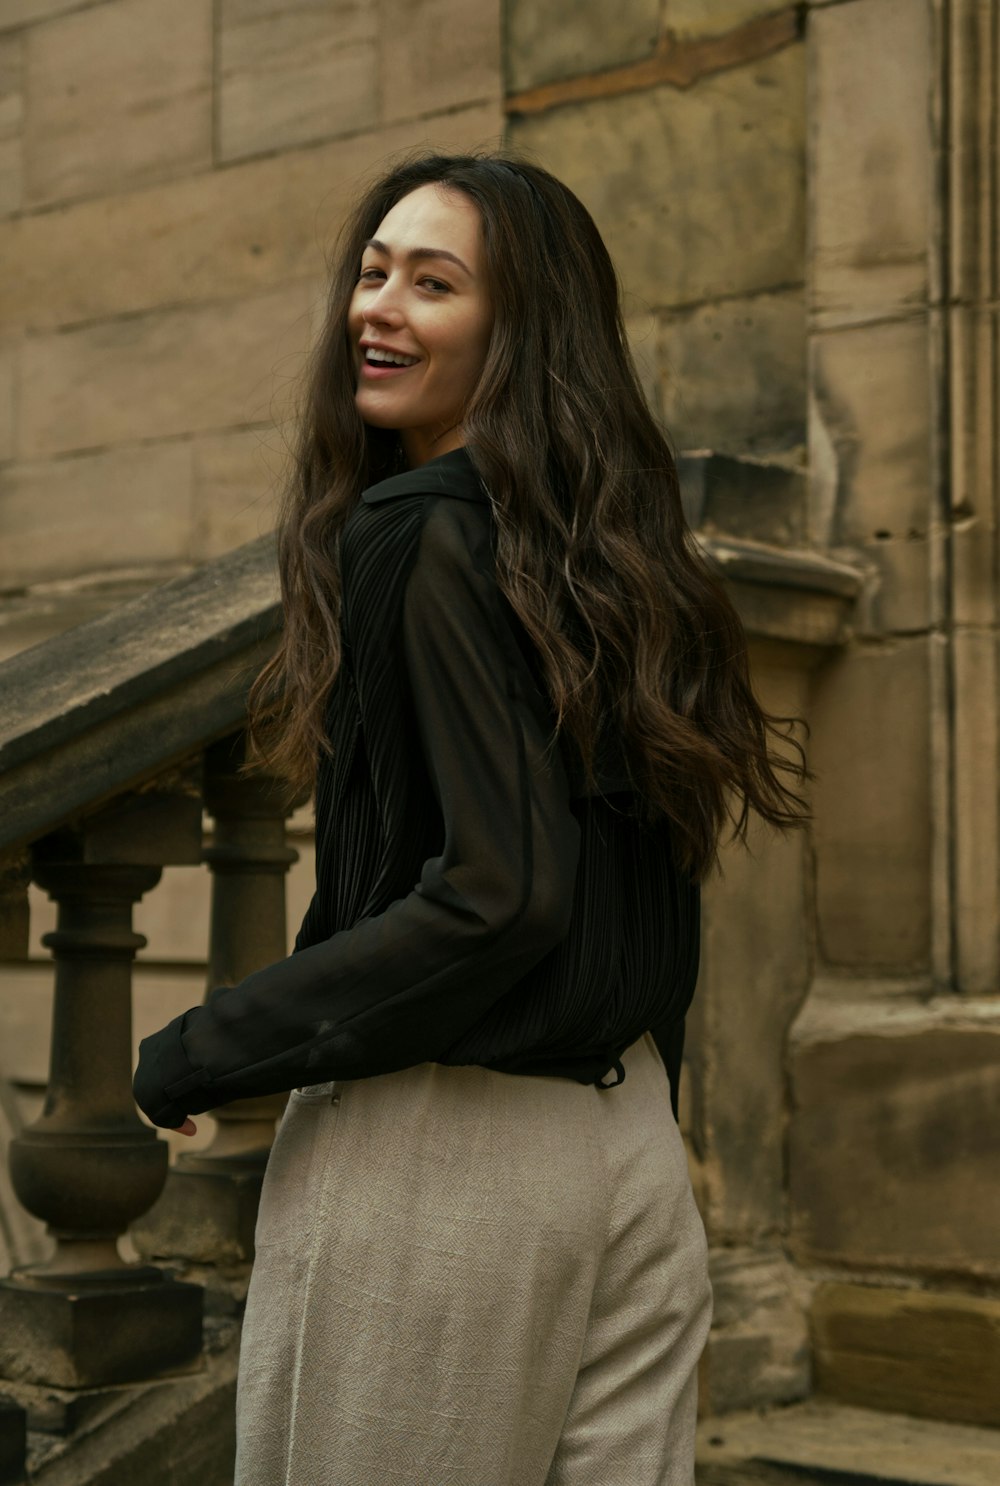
88, 1166
209, 1207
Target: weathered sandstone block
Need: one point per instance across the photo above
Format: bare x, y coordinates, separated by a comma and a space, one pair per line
177, 371
438, 55
871, 156
893, 1156
871, 799
698, 193
734, 374
871, 422
294, 74
872, 390
237, 481
117, 93
128, 507
565, 38
909, 1351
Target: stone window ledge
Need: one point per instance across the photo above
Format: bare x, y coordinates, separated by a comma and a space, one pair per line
801, 597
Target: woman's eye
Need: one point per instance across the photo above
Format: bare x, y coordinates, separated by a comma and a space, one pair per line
378, 275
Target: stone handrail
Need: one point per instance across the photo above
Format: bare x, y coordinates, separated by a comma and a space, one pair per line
115, 701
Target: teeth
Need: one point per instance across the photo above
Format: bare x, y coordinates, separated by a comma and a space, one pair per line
394, 358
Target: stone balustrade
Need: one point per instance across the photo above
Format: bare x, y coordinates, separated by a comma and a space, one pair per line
118, 738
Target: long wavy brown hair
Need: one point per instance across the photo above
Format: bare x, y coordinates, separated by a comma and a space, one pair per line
631, 627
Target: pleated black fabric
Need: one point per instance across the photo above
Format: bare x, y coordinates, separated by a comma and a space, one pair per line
473, 904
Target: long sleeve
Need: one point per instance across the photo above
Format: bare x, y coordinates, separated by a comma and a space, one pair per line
398, 987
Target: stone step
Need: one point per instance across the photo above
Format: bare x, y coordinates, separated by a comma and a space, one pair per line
827, 1444
159, 1433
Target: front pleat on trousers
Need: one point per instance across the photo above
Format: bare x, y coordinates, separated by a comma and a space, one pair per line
469, 1278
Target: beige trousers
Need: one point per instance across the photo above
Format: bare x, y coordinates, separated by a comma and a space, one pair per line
468, 1278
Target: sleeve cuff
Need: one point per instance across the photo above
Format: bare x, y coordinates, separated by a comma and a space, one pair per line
166, 1088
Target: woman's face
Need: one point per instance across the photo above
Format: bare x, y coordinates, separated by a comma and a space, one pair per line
420, 319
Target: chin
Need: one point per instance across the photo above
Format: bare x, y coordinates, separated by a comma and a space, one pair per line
376, 417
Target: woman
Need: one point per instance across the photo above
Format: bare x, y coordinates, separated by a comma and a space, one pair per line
526, 700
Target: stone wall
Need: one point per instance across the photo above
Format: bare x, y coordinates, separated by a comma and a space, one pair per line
802, 203
895, 1058
171, 178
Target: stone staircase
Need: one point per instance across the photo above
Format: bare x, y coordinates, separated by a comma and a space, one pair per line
822, 1443
177, 1429
182, 1430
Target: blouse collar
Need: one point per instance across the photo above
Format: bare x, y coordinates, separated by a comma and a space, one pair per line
448, 474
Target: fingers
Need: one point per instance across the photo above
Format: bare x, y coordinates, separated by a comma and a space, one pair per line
188, 1128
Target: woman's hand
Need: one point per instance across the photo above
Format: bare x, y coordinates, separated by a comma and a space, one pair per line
188, 1128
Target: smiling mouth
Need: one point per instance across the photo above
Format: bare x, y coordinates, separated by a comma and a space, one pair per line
396, 359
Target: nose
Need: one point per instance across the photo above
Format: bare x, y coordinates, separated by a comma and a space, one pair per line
383, 308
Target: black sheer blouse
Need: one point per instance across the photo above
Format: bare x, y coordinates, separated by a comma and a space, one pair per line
473, 903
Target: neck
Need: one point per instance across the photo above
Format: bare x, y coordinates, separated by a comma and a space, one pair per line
419, 445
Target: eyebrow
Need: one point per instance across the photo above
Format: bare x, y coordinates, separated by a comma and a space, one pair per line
414, 254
